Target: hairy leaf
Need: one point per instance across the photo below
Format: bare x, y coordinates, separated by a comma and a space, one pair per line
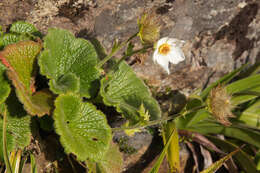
124, 90
69, 63
18, 125
20, 59
19, 31
11, 38
67, 83
82, 128
22, 27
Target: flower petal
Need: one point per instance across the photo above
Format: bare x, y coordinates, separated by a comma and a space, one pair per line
162, 41
175, 42
163, 61
155, 55
176, 55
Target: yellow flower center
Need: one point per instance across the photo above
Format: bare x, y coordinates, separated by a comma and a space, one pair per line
164, 49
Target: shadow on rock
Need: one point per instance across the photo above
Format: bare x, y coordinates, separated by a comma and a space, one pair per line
238, 28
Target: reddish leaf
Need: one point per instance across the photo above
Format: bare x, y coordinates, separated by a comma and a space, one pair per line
20, 59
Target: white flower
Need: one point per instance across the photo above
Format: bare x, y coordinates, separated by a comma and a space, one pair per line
168, 50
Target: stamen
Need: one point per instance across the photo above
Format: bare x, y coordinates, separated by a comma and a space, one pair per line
164, 49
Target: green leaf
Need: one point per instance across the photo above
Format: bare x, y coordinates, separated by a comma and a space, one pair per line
112, 161
124, 90
173, 154
216, 165
191, 119
244, 134
244, 84
82, 128
69, 63
20, 59
4, 86
18, 125
19, 31
251, 116
248, 95
12, 38
67, 83
245, 161
22, 27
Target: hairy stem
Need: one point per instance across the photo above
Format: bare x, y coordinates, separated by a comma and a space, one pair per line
155, 122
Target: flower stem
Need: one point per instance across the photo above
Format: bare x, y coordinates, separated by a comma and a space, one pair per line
132, 53
113, 52
150, 123
155, 122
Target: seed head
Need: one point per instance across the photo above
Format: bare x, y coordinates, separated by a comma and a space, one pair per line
220, 106
149, 28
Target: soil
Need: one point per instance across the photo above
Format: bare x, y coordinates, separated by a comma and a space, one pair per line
219, 37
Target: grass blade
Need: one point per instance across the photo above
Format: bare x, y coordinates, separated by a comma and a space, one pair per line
173, 149
244, 84
158, 163
251, 116
17, 161
242, 133
216, 165
242, 158
33, 164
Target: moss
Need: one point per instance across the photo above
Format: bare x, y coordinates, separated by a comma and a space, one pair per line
125, 147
